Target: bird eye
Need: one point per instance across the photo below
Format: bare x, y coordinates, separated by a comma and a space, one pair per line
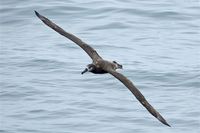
114, 62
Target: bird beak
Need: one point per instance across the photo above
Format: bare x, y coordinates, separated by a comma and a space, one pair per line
84, 71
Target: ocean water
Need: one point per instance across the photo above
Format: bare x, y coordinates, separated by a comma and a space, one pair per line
42, 90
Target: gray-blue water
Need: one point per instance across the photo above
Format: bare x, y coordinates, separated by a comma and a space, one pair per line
42, 90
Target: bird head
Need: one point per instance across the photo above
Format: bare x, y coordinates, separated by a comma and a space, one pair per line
89, 68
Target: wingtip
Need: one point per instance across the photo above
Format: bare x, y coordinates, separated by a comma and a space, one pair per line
36, 13
166, 124
161, 119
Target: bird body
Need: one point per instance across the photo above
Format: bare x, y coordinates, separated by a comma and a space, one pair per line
101, 66
96, 69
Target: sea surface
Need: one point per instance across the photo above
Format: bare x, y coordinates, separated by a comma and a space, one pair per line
42, 90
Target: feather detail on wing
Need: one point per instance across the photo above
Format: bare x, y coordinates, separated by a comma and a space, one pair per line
138, 95
87, 48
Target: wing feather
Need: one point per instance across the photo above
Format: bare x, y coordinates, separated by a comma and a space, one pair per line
138, 95
87, 48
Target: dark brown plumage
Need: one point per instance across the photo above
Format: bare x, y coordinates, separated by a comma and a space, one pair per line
101, 66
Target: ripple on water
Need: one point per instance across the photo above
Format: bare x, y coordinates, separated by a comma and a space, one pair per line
42, 90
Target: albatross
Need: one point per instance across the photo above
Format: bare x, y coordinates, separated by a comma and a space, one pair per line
101, 66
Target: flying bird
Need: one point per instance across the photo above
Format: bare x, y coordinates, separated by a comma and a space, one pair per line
101, 66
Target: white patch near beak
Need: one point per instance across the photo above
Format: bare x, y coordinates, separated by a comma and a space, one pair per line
90, 69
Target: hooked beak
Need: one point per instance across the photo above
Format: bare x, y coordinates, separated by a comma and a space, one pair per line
84, 71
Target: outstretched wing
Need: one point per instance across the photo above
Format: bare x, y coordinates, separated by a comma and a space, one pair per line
88, 49
138, 95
